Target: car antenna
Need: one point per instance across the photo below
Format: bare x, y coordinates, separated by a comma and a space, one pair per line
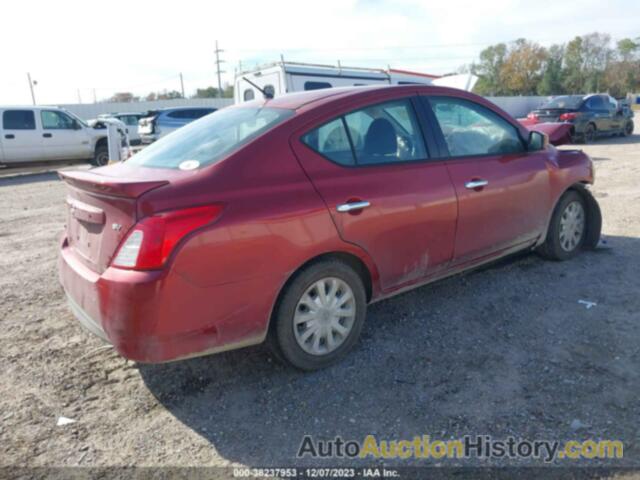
267, 96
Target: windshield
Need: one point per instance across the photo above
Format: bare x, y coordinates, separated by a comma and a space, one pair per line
565, 101
209, 139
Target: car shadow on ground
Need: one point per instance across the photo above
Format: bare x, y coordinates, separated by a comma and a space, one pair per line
507, 350
26, 179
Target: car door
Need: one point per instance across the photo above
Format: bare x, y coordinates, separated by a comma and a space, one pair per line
503, 190
21, 138
616, 114
600, 114
63, 137
381, 188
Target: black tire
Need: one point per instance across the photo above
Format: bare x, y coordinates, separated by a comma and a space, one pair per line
552, 248
589, 134
283, 339
101, 155
628, 129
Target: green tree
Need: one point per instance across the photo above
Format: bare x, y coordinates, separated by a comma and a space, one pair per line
551, 82
573, 76
522, 68
488, 70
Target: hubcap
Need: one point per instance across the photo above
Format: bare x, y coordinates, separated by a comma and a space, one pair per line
571, 226
324, 316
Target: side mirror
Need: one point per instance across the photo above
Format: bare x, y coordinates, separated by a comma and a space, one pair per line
76, 125
537, 141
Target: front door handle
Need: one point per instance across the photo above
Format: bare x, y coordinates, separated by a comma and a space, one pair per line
47, 135
477, 183
9, 136
351, 206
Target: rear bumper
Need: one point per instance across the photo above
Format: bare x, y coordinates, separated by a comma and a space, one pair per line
158, 316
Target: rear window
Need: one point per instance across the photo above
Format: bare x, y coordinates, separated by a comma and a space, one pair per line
18, 120
565, 101
209, 139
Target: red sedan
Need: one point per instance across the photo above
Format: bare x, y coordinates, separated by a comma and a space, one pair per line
284, 218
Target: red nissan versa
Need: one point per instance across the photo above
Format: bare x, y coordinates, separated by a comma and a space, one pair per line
284, 218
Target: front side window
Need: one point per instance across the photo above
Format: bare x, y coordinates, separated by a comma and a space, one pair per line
471, 129
18, 120
53, 120
382, 133
211, 138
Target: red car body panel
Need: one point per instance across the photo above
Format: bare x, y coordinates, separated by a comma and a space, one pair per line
559, 133
221, 283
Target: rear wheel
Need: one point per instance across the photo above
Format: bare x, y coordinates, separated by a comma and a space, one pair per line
320, 315
589, 133
568, 228
101, 155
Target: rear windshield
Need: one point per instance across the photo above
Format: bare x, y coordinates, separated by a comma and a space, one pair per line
210, 138
565, 101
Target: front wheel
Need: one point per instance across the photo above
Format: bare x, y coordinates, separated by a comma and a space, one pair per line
628, 129
567, 229
320, 315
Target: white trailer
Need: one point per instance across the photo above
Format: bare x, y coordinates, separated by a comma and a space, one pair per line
285, 77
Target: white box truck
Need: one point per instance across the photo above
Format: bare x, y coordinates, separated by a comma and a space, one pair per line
285, 77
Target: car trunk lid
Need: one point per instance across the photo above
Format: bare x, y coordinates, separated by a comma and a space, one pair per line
100, 211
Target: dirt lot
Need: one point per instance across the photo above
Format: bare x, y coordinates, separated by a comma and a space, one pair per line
504, 351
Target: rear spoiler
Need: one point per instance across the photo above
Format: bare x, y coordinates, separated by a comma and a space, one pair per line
115, 187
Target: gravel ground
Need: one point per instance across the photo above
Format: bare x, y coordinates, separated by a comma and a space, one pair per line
504, 351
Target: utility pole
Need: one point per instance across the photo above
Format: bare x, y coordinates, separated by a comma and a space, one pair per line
79, 97
218, 71
95, 100
182, 84
33, 95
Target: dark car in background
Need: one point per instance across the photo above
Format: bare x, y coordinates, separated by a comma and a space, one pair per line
161, 122
591, 116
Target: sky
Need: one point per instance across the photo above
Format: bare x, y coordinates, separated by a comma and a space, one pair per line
75, 48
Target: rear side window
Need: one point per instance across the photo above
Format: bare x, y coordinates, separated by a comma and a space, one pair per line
190, 113
316, 85
331, 141
471, 129
382, 133
596, 103
19, 120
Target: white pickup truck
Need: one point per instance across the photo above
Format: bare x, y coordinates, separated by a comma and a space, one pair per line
36, 134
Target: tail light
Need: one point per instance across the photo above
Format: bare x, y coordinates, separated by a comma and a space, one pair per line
565, 117
532, 116
151, 241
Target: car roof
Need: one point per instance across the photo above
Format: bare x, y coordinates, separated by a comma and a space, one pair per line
314, 98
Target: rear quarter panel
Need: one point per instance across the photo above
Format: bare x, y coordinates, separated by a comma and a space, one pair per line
272, 223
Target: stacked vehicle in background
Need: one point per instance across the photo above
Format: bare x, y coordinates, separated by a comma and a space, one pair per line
34, 134
161, 122
590, 116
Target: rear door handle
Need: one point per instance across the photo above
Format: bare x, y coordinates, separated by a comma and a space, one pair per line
473, 184
9, 136
351, 206
47, 135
